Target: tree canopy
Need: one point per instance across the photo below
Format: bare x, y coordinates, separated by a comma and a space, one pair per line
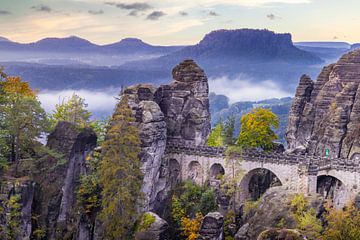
73, 110
120, 174
22, 118
257, 129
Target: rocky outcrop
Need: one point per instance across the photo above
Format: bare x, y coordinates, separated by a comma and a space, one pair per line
157, 230
152, 129
273, 210
174, 113
59, 179
212, 227
16, 196
281, 234
185, 104
326, 114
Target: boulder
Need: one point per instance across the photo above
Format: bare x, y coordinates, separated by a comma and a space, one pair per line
157, 230
274, 209
212, 227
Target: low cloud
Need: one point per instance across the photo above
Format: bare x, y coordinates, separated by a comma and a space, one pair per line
100, 103
155, 15
272, 16
4, 12
41, 8
96, 12
243, 89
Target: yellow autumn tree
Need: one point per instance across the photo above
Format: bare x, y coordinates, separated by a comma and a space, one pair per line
190, 227
257, 129
342, 224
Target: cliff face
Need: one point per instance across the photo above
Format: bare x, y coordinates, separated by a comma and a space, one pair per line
173, 113
326, 114
185, 104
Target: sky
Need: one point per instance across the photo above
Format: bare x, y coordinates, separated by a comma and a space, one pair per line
177, 22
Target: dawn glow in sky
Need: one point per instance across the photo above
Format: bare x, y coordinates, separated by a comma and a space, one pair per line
170, 22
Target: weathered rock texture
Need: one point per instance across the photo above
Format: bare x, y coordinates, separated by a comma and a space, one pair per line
178, 112
25, 190
185, 104
152, 128
326, 114
56, 196
212, 227
158, 230
274, 208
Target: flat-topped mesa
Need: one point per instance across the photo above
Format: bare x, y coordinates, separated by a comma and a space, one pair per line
325, 116
185, 104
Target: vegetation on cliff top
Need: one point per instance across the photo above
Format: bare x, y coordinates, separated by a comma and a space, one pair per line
120, 175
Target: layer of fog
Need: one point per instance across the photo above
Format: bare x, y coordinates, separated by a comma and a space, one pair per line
100, 103
99, 60
242, 89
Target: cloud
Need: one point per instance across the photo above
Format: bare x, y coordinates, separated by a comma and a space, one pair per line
183, 13
41, 8
131, 6
96, 12
243, 89
99, 102
272, 16
4, 12
155, 15
213, 14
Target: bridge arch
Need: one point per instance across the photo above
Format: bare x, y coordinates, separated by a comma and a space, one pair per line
174, 171
255, 183
195, 172
331, 187
216, 170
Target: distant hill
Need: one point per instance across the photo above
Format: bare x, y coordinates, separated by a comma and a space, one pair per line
254, 55
221, 109
260, 55
75, 44
355, 46
324, 44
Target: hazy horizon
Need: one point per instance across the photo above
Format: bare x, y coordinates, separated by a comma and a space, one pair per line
177, 23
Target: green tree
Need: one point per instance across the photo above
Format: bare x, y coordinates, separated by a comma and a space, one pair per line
215, 138
228, 131
73, 110
257, 129
22, 118
120, 174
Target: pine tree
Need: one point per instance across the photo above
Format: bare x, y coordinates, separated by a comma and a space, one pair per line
228, 131
120, 174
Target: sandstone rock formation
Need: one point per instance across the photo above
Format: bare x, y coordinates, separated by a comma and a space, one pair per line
174, 113
185, 104
25, 190
158, 230
212, 227
58, 184
326, 114
152, 128
273, 208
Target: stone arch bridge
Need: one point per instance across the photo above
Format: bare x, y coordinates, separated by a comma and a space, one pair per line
300, 173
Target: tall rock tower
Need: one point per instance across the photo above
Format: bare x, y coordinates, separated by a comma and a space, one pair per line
325, 115
185, 104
